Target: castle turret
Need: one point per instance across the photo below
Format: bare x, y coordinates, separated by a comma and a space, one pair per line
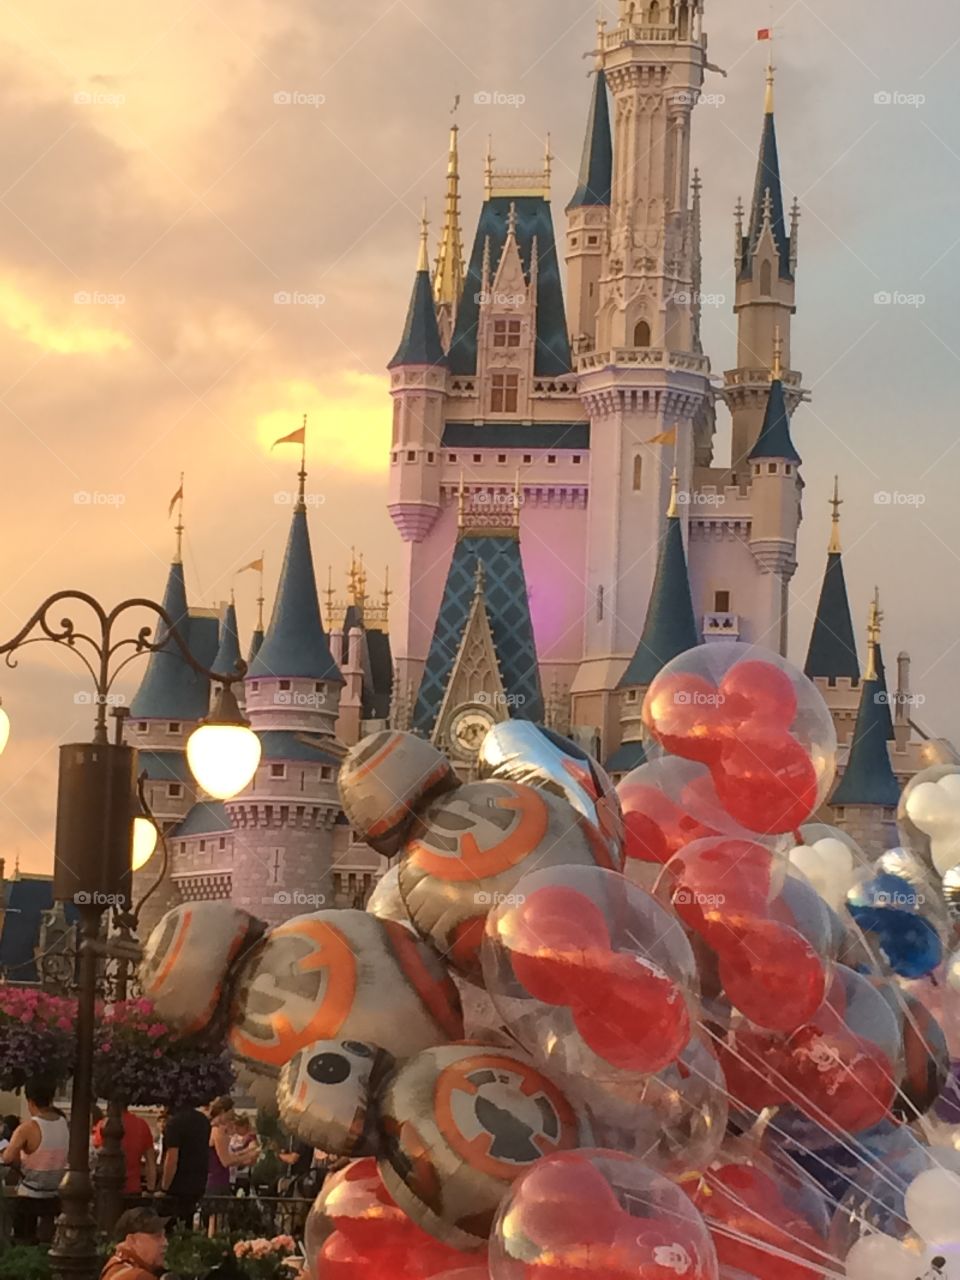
284, 820
832, 662
775, 490
228, 657
670, 629
864, 801
765, 266
588, 218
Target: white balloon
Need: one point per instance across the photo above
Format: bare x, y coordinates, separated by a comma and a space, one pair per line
828, 865
934, 808
880, 1257
932, 1204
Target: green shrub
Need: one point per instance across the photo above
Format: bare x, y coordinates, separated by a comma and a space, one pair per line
25, 1262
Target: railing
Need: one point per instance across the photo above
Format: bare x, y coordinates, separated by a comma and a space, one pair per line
644, 357
253, 1215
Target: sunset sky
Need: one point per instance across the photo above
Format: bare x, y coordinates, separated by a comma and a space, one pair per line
166, 171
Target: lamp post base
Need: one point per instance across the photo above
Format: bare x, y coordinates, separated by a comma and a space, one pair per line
74, 1253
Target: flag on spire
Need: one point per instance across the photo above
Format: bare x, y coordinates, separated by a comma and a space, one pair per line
254, 564
295, 437
177, 497
664, 437
765, 33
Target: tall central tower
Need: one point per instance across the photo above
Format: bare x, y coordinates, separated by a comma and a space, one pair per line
645, 384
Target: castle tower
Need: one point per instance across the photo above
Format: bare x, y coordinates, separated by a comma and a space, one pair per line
256, 639
645, 387
449, 271
482, 664
832, 662
864, 801
775, 491
588, 219
228, 649
283, 823
765, 301
670, 629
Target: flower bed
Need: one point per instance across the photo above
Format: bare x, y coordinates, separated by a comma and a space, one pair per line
36, 1036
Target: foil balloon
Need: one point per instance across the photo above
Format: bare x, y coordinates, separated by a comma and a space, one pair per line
386, 901
385, 779
339, 975
521, 751
766, 1218
599, 1214
898, 906
356, 1231
460, 1123
928, 816
327, 1095
590, 973
759, 725
467, 851
188, 959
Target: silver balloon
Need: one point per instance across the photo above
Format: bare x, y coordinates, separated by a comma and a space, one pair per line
521, 751
327, 1094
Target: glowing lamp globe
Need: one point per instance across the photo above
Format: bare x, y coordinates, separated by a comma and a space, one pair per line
144, 842
4, 728
223, 752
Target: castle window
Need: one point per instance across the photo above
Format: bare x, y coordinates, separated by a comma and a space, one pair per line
756, 468
593, 239
318, 686
576, 457
721, 601
573, 242
506, 333
478, 457
393, 456
771, 468
326, 773
527, 458
254, 686
637, 472
275, 866
590, 292
142, 727
278, 771
551, 457
203, 846
451, 457
222, 843
641, 334
284, 686
766, 279
631, 695
175, 790
788, 469
411, 455
501, 457
173, 726
430, 457
599, 604
504, 392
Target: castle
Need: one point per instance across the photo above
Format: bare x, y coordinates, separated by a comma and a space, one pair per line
566, 527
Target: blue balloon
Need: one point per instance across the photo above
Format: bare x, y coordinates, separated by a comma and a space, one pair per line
888, 906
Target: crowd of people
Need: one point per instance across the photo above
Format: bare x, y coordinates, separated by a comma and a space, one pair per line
194, 1154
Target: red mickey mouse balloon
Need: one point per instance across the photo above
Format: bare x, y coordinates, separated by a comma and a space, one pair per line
756, 721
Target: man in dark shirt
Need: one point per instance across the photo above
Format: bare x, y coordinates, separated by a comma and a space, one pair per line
186, 1158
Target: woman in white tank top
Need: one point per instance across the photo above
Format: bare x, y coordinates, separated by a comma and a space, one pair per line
43, 1168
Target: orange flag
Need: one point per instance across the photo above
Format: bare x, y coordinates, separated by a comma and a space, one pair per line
295, 437
174, 500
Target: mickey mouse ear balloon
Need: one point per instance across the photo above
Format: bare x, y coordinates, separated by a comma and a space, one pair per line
928, 816
759, 725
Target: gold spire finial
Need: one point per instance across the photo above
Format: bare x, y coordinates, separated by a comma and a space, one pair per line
674, 482
776, 371
329, 593
260, 597
449, 275
873, 635
423, 262
771, 75
178, 530
302, 473
547, 166
836, 502
512, 219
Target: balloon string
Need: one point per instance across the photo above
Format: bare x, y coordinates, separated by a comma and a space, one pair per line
732, 1234
753, 1212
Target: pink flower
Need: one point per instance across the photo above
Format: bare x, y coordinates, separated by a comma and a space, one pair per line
106, 1046
156, 1029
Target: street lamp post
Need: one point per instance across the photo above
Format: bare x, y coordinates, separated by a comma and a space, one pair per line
97, 803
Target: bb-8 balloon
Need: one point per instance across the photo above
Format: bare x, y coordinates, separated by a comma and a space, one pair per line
384, 779
327, 1095
340, 975
459, 1123
185, 970
467, 850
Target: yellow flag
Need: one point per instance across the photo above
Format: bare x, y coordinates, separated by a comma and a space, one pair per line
665, 437
254, 564
295, 437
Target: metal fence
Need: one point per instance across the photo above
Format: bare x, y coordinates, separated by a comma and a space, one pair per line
253, 1215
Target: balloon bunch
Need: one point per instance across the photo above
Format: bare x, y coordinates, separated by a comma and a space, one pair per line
670, 1030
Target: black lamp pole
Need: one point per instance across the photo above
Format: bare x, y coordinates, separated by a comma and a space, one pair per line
96, 804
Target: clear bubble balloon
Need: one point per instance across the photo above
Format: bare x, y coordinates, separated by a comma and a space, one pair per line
599, 1214
830, 859
898, 905
928, 816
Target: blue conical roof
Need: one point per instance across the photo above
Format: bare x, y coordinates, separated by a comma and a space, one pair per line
833, 648
171, 690
596, 165
228, 652
671, 626
885, 704
420, 343
295, 644
767, 185
256, 640
868, 778
774, 440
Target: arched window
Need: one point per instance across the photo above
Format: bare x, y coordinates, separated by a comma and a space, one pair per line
683, 22
654, 13
766, 280
641, 334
